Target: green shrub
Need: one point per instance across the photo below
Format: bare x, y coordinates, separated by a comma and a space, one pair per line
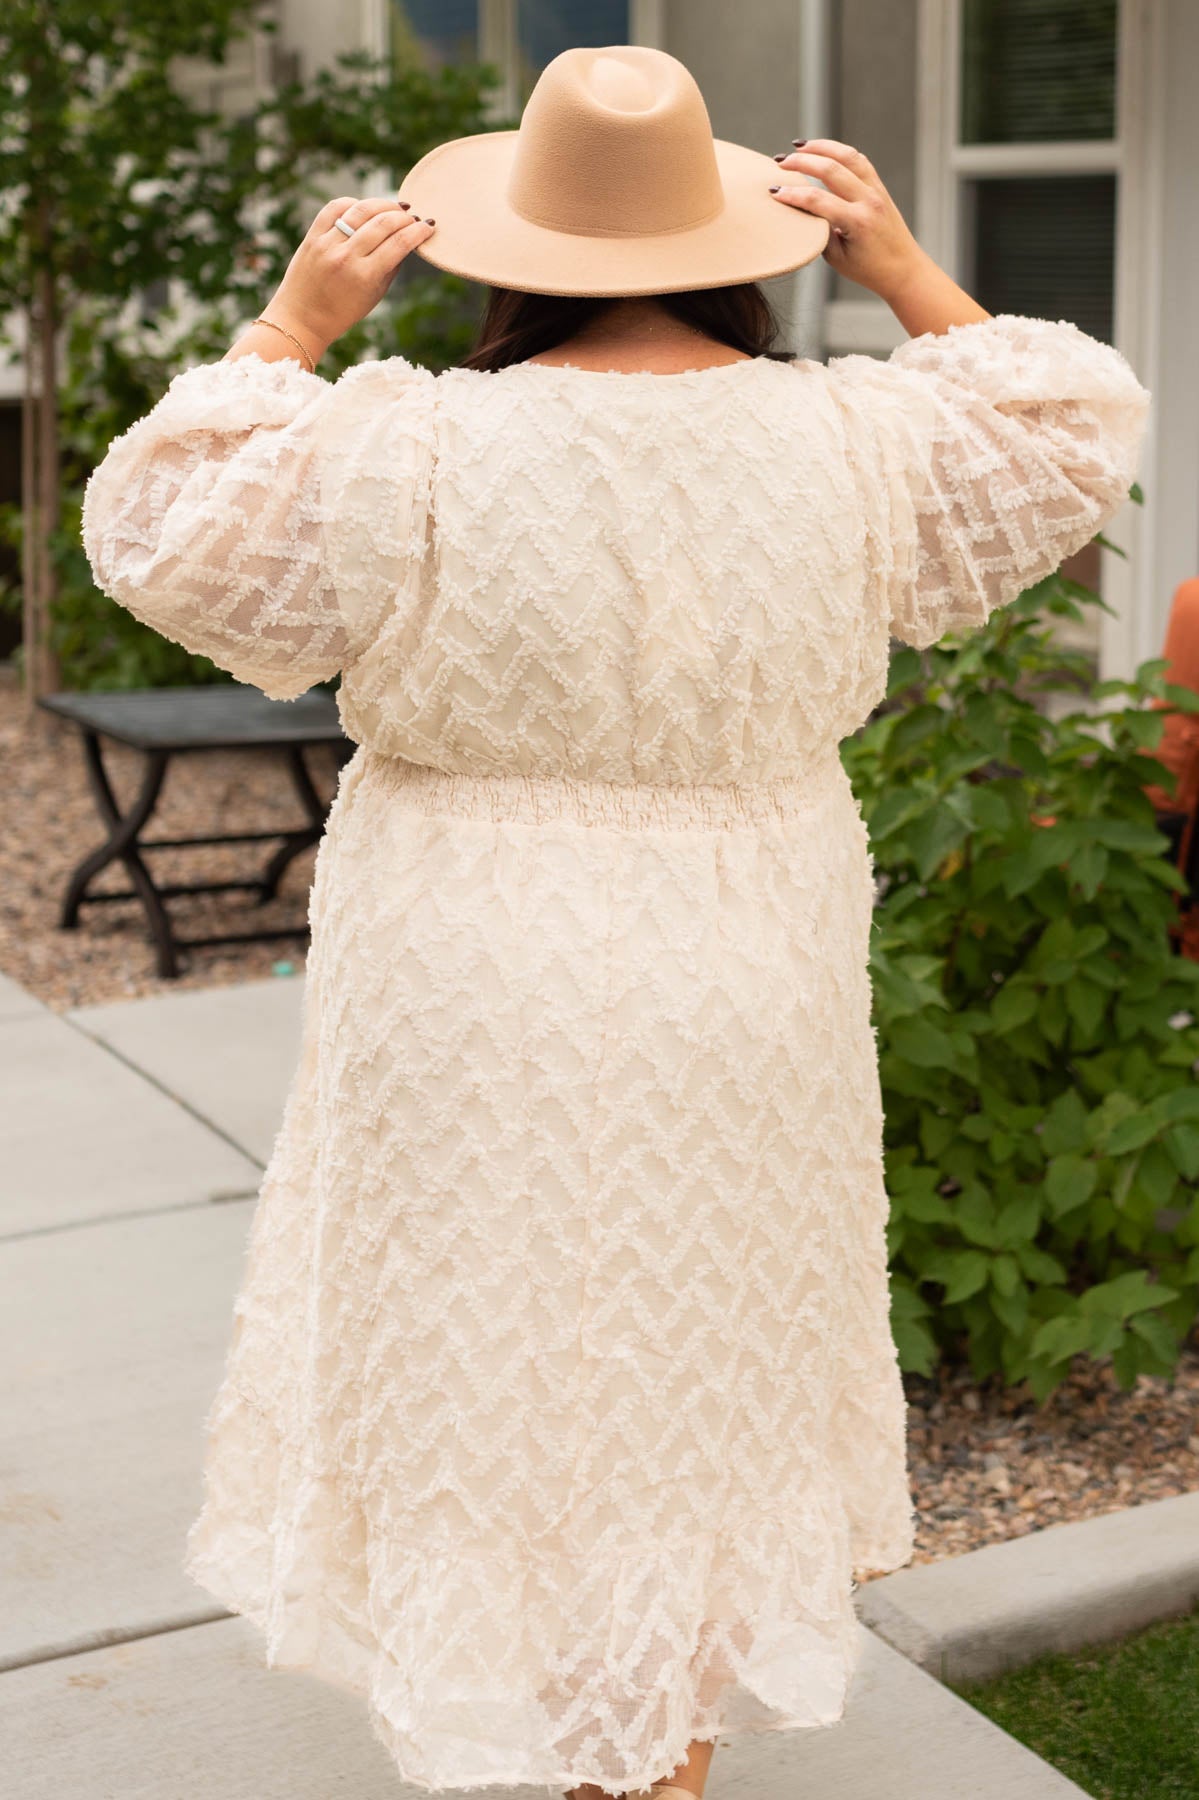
139, 188
1036, 1030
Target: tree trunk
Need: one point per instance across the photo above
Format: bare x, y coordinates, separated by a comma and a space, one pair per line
49, 458
31, 612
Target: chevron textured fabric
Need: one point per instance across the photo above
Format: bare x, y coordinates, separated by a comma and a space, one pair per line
561, 1410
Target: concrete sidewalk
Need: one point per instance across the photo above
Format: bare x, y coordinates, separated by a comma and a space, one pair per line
133, 1157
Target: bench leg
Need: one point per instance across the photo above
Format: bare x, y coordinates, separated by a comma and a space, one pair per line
122, 843
295, 840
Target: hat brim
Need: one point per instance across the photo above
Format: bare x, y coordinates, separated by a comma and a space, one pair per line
463, 186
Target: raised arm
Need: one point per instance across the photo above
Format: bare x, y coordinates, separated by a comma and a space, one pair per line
987, 454
259, 515
988, 449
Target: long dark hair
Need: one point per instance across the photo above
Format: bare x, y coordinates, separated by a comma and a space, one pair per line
516, 326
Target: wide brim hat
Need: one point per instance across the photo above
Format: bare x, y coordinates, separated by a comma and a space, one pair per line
613, 184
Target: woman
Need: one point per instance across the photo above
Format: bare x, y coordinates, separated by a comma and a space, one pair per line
562, 1410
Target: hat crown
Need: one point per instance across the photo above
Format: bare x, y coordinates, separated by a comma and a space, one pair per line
615, 142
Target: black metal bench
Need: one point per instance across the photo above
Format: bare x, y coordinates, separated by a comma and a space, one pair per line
166, 722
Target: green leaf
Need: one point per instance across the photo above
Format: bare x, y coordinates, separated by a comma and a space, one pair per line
897, 807
965, 1272
935, 1133
1087, 1005
1126, 1361
914, 1341
1065, 1126
1126, 834
1182, 1103
1156, 1175
974, 1211
1157, 1332
931, 839
1181, 1143
1125, 1295
925, 1206
1039, 1266
1088, 869
1020, 1219
1052, 1016
918, 1041
1131, 1134
907, 668
1005, 1275
1012, 1310
1089, 940
1069, 1182
1003, 1146
915, 1345
1144, 728
1014, 1005
1058, 1339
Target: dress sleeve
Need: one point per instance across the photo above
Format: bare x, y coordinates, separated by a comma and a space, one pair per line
264, 517
988, 453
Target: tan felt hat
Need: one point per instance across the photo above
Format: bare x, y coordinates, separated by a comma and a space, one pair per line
613, 184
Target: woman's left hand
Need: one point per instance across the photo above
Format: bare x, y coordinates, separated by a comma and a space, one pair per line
333, 280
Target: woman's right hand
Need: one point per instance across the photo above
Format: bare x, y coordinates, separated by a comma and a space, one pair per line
332, 280
869, 240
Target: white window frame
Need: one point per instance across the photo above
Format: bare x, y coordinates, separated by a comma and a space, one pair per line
498, 44
943, 166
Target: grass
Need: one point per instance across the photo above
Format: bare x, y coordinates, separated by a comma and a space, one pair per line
1120, 1719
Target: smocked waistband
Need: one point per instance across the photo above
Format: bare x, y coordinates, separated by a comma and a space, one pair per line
642, 805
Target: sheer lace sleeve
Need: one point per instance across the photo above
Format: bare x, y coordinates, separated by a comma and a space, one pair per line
989, 453
264, 517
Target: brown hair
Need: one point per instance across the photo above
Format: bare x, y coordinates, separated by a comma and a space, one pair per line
516, 325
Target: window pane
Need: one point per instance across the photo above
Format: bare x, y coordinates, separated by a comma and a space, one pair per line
435, 31
1038, 70
547, 27
1045, 246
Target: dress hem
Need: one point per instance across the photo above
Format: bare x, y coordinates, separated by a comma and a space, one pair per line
306, 1635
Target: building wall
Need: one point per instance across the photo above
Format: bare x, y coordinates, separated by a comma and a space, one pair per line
748, 72
320, 33
1174, 373
873, 55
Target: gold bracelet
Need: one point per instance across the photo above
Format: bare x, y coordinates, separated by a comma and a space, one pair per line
295, 340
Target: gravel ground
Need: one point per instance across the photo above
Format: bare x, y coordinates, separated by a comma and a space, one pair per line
986, 1464
51, 822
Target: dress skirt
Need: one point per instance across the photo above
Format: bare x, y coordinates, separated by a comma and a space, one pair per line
561, 1410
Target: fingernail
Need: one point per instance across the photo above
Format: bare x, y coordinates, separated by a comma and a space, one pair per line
781, 157
774, 190
405, 206
430, 221
798, 141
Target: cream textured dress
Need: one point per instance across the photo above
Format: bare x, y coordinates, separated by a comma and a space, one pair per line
562, 1409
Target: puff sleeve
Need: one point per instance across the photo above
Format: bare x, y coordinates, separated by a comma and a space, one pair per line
989, 453
264, 517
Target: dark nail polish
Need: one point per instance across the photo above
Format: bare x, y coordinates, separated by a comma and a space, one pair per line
798, 141
430, 221
780, 157
774, 190
405, 206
